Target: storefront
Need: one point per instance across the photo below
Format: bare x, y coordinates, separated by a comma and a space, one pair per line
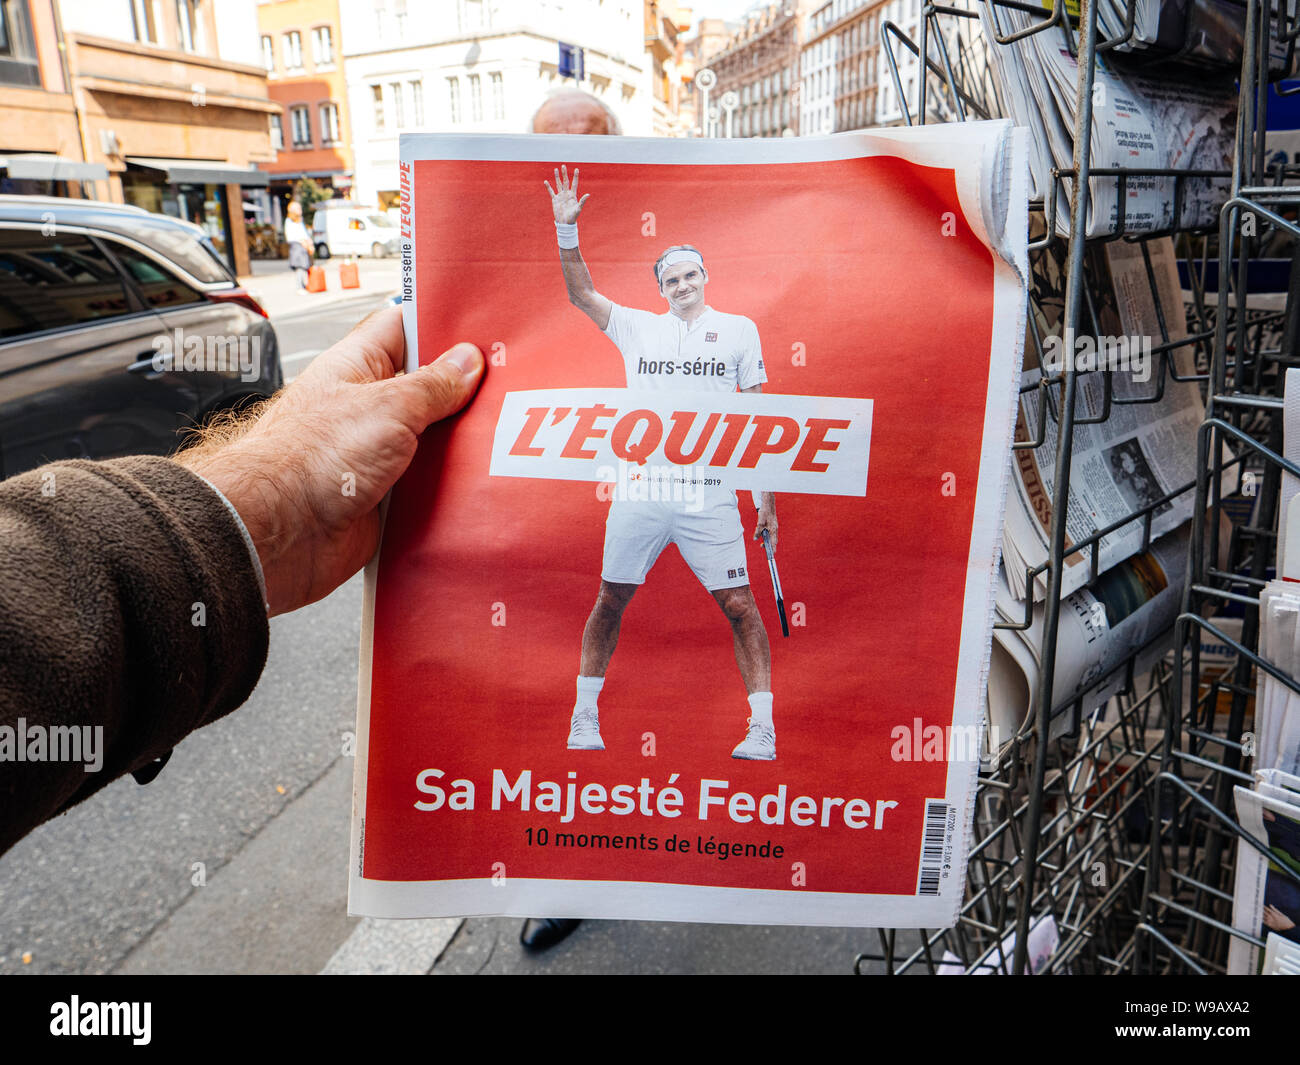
44, 174
198, 191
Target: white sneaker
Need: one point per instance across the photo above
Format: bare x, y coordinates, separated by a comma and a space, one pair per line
584, 731
759, 744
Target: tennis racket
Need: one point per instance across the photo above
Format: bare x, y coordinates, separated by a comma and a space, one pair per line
776, 583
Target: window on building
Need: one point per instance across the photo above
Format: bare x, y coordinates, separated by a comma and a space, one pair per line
329, 124
322, 46
277, 133
498, 96
189, 20
300, 124
399, 17
476, 98
145, 16
417, 103
18, 65
453, 99
377, 98
471, 15
399, 102
292, 50
268, 54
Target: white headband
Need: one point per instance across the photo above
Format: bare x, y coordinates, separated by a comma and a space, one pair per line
678, 255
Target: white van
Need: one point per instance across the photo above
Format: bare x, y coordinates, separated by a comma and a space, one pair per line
346, 228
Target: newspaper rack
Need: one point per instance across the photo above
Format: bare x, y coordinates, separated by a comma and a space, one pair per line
1120, 828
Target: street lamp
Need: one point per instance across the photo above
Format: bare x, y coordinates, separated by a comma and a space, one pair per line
704, 81
730, 101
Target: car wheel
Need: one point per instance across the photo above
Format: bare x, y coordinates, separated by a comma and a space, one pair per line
322, 250
378, 251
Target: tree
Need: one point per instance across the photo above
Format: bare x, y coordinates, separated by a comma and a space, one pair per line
308, 193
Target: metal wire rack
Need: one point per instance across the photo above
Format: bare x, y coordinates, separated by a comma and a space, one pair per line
1117, 820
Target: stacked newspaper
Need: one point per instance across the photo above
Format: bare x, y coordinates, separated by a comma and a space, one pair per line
1281, 957
1266, 895
1141, 122
1128, 607
1277, 707
1202, 32
1128, 462
1138, 459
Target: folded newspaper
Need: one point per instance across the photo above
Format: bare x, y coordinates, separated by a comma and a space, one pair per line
558, 713
1207, 33
1266, 892
1161, 120
1128, 608
1129, 462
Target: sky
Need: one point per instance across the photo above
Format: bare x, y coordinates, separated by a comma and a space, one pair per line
728, 9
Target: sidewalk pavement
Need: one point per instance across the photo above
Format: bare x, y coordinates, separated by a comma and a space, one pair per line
275, 286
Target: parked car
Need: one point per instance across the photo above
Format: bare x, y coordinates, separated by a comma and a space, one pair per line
341, 227
119, 329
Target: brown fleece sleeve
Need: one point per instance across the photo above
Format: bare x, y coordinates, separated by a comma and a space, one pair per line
128, 600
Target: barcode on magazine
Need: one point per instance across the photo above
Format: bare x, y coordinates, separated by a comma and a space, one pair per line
936, 850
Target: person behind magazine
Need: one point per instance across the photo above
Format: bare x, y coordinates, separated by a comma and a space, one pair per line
300, 246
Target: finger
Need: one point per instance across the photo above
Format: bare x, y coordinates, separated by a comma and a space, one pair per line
549, 189
374, 351
442, 387
564, 169
574, 186
583, 200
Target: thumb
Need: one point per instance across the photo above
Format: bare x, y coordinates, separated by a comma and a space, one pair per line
439, 389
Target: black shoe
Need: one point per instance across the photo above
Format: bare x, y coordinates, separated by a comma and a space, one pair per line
538, 933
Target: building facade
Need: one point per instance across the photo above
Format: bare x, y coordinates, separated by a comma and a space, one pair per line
173, 103
41, 151
708, 39
818, 70
760, 62
666, 24
300, 47
847, 81
482, 66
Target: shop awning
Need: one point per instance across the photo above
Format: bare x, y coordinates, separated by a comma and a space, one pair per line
202, 171
42, 166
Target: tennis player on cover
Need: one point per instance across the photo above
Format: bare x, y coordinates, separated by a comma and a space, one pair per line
655, 349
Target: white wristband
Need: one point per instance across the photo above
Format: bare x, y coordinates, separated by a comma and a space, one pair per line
567, 234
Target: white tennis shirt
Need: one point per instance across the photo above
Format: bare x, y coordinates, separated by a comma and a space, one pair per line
716, 353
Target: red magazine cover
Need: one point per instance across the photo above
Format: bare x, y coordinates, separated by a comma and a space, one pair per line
687, 616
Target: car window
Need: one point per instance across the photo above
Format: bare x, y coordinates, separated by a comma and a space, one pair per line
381, 220
183, 245
55, 281
159, 286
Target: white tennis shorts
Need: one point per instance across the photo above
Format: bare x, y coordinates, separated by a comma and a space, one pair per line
712, 541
